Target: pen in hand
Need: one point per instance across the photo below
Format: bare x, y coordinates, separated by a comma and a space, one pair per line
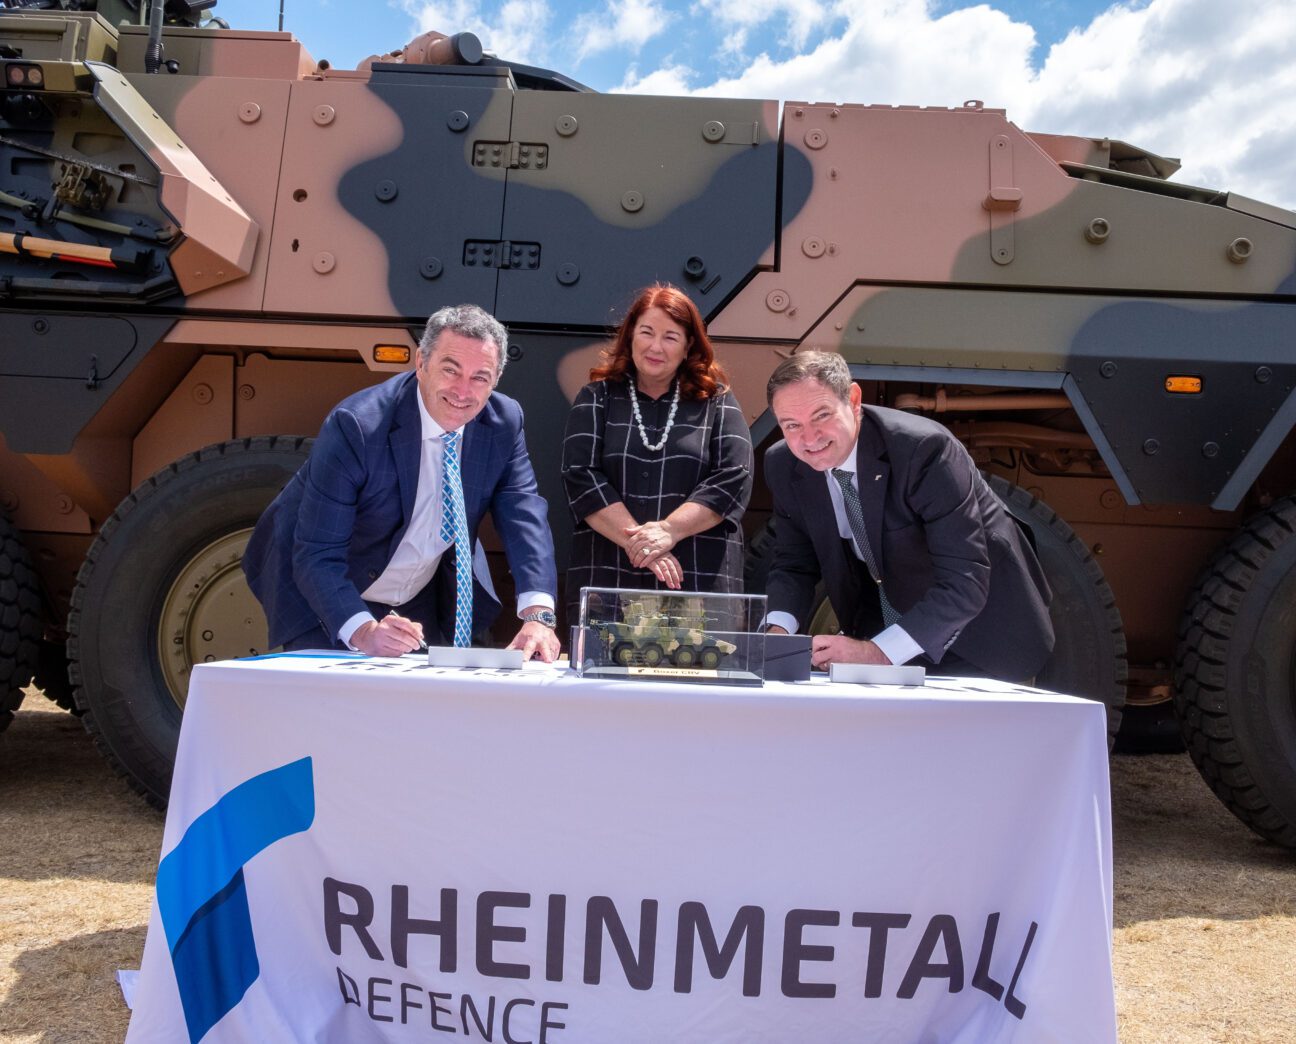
422, 645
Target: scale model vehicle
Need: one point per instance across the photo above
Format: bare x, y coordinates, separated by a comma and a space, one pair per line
208, 238
652, 637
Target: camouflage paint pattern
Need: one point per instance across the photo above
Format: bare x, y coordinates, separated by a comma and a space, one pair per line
278, 221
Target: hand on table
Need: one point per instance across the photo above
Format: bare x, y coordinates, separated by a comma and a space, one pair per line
391, 636
536, 642
826, 649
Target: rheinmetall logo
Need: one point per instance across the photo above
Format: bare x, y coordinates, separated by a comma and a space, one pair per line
201, 895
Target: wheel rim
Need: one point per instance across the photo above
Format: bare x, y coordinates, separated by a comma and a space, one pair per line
684, 658
209, 614
710, 658
623, 654
824, 620
652, 655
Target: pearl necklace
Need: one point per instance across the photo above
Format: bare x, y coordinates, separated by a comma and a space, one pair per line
670, 418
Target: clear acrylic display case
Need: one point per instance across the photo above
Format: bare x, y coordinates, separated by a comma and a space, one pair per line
669, 636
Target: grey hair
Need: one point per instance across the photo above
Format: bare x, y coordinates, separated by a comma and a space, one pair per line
467, 320
828, 368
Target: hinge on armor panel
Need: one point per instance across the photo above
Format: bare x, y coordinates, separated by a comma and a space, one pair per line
511, 155
1003, 200
735, 133
496, 253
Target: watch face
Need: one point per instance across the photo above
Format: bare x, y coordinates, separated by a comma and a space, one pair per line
544, 616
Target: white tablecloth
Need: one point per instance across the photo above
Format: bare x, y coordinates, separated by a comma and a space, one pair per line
364, 850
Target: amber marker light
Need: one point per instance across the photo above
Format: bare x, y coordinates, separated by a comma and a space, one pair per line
391, 353
1184, 385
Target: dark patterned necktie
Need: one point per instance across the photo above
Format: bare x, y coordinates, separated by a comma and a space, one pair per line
454, 530
855, 515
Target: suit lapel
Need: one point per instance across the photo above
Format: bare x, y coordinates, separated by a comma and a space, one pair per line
475, 465
810, 490
873, 473
405, 437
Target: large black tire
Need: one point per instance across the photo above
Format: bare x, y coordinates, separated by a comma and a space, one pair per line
20, 621
760, 556
161, 589
1235, 674
1089, 655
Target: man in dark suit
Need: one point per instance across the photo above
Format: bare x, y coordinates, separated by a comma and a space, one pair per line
369, 546
922, 562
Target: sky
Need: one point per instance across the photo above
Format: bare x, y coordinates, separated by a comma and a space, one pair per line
1206, 82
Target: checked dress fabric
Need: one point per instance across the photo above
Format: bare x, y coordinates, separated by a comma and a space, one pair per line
454, 529
855, 514
707, 459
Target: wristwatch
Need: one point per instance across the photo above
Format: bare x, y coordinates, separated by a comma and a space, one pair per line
541, 616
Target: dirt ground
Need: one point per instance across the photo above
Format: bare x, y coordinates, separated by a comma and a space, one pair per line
1205, 933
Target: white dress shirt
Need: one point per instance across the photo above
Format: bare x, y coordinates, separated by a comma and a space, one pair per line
415, 560
894, 641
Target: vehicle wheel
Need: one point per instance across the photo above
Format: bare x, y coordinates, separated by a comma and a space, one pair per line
685, 656
652, 655
162, 589
1235, 673
52, 675
760, 556
710, 658
623, 654
20, 620
1089, 653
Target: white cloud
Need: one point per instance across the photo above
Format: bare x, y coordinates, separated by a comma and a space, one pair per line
670, 79
1185, 78
1171, 78
893, 51
520, 32
738, 19
625, 24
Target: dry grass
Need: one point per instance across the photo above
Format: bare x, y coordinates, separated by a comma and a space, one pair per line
1205, 940
76, 878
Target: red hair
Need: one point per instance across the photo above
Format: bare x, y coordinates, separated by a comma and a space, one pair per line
701, 377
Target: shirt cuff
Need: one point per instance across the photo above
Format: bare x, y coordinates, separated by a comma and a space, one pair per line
777, 619
529, 598
896, 645
351, 626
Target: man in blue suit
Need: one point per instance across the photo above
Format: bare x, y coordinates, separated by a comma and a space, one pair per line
360, 549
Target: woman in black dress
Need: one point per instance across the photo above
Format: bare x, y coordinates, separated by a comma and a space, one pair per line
657, 459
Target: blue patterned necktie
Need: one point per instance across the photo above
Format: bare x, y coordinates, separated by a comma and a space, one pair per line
454, 530
855, 515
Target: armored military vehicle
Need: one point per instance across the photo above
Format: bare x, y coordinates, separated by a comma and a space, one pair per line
208, 237
649, 634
